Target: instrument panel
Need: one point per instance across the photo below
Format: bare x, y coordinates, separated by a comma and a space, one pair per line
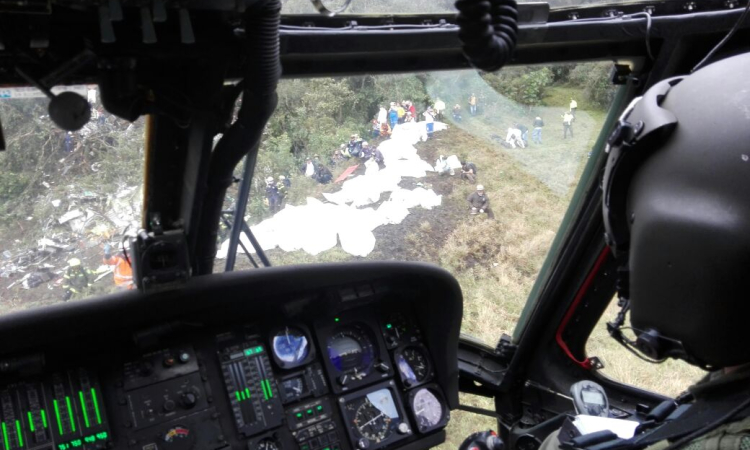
311, 371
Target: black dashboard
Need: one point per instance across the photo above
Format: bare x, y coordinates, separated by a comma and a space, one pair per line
333, 357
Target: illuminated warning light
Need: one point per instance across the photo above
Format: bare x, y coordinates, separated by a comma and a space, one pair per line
389, 326
253, 351
336, 319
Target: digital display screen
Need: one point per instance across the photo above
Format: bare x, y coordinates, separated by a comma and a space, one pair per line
594, 397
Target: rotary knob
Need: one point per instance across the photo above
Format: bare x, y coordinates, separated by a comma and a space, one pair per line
189, 400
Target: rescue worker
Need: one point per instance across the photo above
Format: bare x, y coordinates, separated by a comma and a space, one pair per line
442, 167
123, 271
308, 168
272, 195
281, 189
568, 119
322, 174
536, 133
473, 105
429, 117
469, 172
393, 116
400, 113
524, 134
366, 150
412, 109
439, 108
382, 115
480, 203
573, 106
76, 279
457, 112
678, 225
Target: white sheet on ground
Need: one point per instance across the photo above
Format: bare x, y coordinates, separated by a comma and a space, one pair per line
454, 162
318, 226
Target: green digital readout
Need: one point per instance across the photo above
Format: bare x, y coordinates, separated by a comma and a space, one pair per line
253, 351
76, 443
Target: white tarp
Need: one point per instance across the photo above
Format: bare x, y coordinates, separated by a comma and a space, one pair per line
317, 226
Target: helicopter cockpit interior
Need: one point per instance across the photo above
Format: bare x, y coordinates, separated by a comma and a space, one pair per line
367, 355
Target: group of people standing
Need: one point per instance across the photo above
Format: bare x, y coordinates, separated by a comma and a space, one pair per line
518, 134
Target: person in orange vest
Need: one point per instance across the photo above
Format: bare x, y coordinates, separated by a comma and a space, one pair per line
123, 271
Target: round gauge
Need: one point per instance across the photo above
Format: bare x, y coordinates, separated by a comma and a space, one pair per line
374, 416
291, 346
267, 444
428, 410
413, 365
351, 351
293, 387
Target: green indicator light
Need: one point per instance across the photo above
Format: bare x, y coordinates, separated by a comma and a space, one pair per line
309, 412
389, 326
70, 414
336, 319
57, 414
237, 393
83, 408
259, 349
247, 392
91, 438
102, 435
242, 394
299, 415
263, 386
270, 392
76, 443
19, 434
319, 408
5, 437
31, 421
44, 419
96, 406
248, 351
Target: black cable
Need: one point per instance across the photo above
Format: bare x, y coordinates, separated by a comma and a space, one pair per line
726, 38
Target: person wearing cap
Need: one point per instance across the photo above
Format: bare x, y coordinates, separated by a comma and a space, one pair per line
281, 187
76, 279
479, 203
272, 194
429, 117
442, 167
536, 133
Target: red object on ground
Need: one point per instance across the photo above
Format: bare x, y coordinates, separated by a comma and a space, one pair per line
346, 173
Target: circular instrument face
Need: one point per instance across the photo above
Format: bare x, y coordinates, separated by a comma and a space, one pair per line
293, 387
351, 351
291, 346
417, 362
427, 409
374, 416
267, 444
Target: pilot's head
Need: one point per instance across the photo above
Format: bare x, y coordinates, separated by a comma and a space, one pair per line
677, 216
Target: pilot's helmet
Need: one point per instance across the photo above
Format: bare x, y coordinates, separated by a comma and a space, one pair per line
676, 207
